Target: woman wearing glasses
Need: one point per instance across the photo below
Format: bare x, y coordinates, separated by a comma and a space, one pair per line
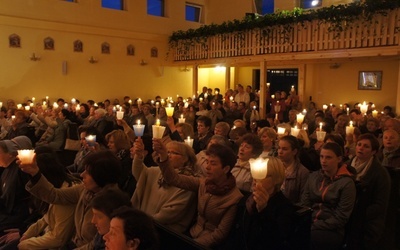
171, 206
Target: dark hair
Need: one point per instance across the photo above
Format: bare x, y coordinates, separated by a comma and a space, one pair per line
65, 113
372, 139
104, 167
108, 200
255, 142
293, 141
86, 113
138, 225
336, 138
60, 100
205, 119
91, 102
224, 153
357, 111
264, 123
334, 147
51, 167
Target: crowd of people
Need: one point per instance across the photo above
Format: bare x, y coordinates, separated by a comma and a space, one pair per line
342, 162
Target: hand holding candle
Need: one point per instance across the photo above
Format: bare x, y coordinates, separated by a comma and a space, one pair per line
120, 114
170, 110
350, 129
91, 140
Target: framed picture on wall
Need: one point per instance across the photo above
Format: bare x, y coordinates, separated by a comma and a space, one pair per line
370, 80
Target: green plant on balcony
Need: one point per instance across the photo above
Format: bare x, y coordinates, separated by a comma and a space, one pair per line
339, 18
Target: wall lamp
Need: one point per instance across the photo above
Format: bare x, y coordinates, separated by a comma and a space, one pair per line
92, 60
34, 57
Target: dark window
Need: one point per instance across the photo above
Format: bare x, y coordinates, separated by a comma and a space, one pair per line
193, 12
113, 4
155, 7
72, 1
264, 6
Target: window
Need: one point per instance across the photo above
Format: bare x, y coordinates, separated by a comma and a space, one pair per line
72, 1
113, 4
193, 12
308, 4
155, 7
264, 6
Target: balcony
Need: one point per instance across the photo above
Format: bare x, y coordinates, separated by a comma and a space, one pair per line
378, 35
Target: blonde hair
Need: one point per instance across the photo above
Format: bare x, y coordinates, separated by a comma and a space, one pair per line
187, 129
186, 151
277, 172
271, 133
121, 140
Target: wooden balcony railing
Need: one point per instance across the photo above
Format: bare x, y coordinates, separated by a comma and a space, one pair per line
313, 36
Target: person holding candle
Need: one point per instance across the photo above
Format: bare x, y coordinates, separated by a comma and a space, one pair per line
217, 193
56, 227
169, 205
102, 171
19, 126
215, 114
373, 191
202, 156
179, 131
373, 127
265, 217
331, 193
342, 121
13, 196
296, 174
250, 147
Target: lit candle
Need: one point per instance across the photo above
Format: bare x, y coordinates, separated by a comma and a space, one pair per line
91, 140
65, 105
268, 84
152, 102
130, 101
347, 109
1, 104
47, 98
292, 89
26, 155
12, 117
73, 100
201, 99
157, 105
324, 107
33, 99
139, 101
27, 107
138, 128
304, 111
320, 135
258, 168
158, 122
181, 119
294, 131
205, 95
231, 98
373, 105
374, 113
364, 108
78, 107
189, 141
162, 101
55, 105
170, 110
216, 92
19, 106
350, 129
158, 131
120, 114
273, 96
320, 126
300, 118
29, 104
281, 131
254, 107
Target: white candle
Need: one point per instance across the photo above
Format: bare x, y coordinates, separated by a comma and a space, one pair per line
300, 118
73, 100
259, 168
205, 95
254, 107
320, 126
347, 109
364, 108
78, 107
26, 156
170, 110
12, 117
374, 113
281, 131
139, 101
350, 129
27, 107
138, 128
181, 119
19, 106
231, 98
268, 84
55, 105
321, 135
158, 131
201, 99
324, 107
130, 101
1, 104
273, 96
295, 131
120, 115
33, 99
189, 141
162, 101
91, 140
65, 105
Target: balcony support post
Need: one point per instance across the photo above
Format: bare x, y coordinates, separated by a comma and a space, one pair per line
195, 80
263, 86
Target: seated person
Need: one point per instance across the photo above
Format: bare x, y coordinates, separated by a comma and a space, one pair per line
103, 205
168, 205
131, 229
56, 227
331, 193
218, 195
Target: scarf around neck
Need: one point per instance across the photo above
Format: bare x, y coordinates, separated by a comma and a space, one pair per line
222, 189
361, 168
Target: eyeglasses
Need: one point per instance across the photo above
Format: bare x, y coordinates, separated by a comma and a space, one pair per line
173, 153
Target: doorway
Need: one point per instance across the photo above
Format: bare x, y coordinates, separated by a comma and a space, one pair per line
279, 79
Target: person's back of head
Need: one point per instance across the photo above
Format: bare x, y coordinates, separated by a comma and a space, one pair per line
104, 167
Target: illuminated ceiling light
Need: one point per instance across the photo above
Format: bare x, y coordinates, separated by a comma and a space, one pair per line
219, 68
315, 3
